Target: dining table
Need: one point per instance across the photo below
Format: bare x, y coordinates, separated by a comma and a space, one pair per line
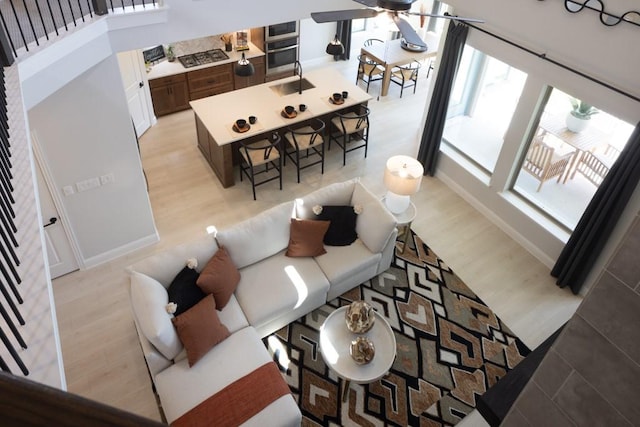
391, 54
587, 140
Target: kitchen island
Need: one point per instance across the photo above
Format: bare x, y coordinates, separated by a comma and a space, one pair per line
216, 115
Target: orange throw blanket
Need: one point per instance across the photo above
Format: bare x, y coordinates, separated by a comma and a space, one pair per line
239, 401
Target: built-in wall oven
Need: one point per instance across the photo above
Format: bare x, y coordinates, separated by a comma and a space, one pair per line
281, 45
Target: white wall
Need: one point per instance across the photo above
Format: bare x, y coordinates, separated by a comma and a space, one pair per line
84, 131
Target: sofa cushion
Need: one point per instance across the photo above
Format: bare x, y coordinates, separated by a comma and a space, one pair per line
342, 262
200, 329
375, 223
219, 277
148, 300
277, 285
342, 230
232, 316
238, 355
258, 237
306, 237
183, 290
338, 193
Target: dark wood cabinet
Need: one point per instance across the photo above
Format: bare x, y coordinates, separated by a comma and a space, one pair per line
169, 94
173, 93
257, 77
210, 81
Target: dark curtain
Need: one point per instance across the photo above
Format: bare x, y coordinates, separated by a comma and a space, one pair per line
344, 35
600, 217
433, 128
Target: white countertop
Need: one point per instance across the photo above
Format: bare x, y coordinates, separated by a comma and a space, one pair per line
219, 112
166, 68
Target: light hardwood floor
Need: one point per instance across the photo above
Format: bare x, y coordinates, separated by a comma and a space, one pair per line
101, 353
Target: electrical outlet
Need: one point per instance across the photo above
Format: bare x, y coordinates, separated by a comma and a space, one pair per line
107, 179
88, 184
68, 190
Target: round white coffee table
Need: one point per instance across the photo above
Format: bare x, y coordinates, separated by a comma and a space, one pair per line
335, 341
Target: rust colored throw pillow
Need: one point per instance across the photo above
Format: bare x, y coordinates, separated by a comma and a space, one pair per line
306, 237
200, 329
219, 277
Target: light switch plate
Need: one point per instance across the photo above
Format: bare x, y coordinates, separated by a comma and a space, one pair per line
107, 179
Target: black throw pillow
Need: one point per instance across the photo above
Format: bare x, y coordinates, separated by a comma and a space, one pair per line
183, 290
342, 230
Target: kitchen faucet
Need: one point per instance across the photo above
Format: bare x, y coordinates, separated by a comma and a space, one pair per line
298, 66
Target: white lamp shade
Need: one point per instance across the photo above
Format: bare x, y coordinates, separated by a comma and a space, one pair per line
403, 175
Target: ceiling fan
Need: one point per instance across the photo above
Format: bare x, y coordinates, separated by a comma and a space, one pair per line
411, 39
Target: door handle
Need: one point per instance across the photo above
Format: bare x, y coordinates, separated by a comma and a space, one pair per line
141, 84
52, 221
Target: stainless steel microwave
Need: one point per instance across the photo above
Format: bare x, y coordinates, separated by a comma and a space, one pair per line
285, 30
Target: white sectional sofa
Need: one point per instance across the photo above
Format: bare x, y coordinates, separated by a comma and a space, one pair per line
274, 290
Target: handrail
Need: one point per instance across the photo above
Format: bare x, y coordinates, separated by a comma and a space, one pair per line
26, 402
23, 22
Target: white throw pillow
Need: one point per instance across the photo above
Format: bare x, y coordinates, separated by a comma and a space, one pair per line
337, 194
149, 299
375, 223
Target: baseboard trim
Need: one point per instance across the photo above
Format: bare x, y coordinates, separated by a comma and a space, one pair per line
499, 222
120, 251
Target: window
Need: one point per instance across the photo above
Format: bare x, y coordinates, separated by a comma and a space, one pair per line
564, 164
483, 100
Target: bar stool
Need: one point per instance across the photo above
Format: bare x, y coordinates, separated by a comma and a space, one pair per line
309, 140
256, 157
350, 127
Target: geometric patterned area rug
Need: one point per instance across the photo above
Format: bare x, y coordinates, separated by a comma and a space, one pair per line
450, 349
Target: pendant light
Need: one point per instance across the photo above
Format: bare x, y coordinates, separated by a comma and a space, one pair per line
335, 47
244, 68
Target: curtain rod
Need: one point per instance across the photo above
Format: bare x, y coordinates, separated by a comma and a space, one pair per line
559, 64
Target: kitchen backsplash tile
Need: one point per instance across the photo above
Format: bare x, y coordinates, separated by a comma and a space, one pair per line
198, 45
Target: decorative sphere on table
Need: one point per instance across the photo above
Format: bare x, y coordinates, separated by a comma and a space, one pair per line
359, 317
362, 350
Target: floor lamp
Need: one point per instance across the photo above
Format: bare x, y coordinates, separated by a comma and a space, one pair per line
402, 177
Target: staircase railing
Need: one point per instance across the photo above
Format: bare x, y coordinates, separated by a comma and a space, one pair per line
9, 262
27, 22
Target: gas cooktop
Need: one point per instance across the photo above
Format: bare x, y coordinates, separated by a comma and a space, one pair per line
201, 58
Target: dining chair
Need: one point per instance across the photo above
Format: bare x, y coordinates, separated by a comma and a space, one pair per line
544, 163
350, 127
370, 42
307, 140
592, 167
406, 75
256, 159
369, 71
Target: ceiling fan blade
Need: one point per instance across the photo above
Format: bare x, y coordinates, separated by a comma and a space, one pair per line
408, 33
455, 18
342, 15
368, 3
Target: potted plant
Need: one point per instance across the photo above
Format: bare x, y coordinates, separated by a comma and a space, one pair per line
580, 114
171, 56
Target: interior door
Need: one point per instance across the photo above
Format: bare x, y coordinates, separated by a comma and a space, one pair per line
131, 70
60, 256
